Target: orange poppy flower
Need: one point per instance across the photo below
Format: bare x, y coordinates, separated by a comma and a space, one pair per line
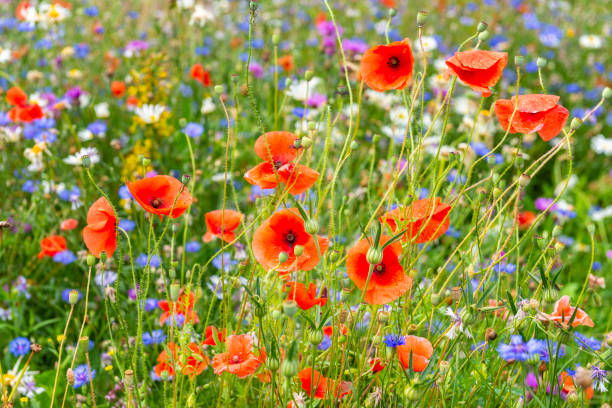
388, 281
478, 69
388, 3
132, 101
525, 219
376, 365
312, 380
421, 350
21, 10
430, 211
117, 88
239, 358
195, 361
534, 113
69, 224
22, 111
329, 330
221, 224
387, 67
51, 245
100, 234
184, 307
563, 311
279, 151
567, 382
286, 61
157, 195
167, 363
281, 233
214, 335
305, 299
198, 73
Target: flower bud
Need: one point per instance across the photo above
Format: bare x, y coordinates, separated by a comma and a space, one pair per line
374, 256
308, 75
524, 180
410, 393
172, 273
86, 161
541, 62
275, 39
490, 335
282, 257
174, 291
185, 179
91, 260
518, 60
421, 18
289, 368
273, 363
146, 161
311, 226
392, 12
73, 297
483, 36
572, 398
276, 314
298, 250
35, 348
435, 299
354, 145
103, 257
218, 89
551, 295
290, 307
253, 5
306, 142
70, 376
383, 316
482, 26
607, 93
575, 124
315, 337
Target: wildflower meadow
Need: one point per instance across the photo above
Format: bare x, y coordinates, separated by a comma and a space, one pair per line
305, 203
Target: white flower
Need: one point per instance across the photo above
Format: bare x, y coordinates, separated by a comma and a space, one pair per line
602, 145
457, 325
102, 110
184, 4
599, 215
85, 134
10, 134
297, 90
51, 13
399, 116
590, 41
382, 99
35, 155
150, 113
207, 106
77, 158
570, 184
200, 16
5, 55
429, 44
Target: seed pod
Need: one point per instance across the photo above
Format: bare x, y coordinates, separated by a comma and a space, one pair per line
490, 334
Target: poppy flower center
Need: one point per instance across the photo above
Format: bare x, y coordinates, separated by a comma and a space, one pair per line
393, 62
290, 237
379, 269
277, 164
156, 202
236, 359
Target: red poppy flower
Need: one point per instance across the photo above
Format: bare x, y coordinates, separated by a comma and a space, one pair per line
329, 330
281, 233
389, 3
387, 67
117, 88
421, 350
478, 69
376, 365
239, 358
221, 224
431, 212
534, 113
100, 234
184, 307
22, 111
567, 382
525, 219
69, 224
286, 61
305, 299
388, 281
313, 380
563, 312
167, 363
200, 74
279, 151
51, 245
213, 336
21, 10
195, 361
157, 195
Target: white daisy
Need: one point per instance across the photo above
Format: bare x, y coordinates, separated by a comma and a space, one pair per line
150, 113
77, 158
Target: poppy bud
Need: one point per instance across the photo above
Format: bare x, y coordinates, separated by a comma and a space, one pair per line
129, 379
482, 26
308, 75
483, 36
410, 393
315, 337
518, 60
392, 12
164, 375
383, 316
86, 161
289, 368
591, 229
345, 294
219, 89
288, 82
182, 122
354, 145
273, 363
172, 273
298, 250
306, 142
275, 39
73, 297
311, 226
103, 257
421, 18
550, 295
524, 180
146, 162
541, 62
174, 291
435, 299
491, 160
282, 257
91, 260
341, 339
185, 179
191, 400
497, 192
607, 93
575, 124
276, 314
534, 359
556, 232
253, 5
290, 307
374, 256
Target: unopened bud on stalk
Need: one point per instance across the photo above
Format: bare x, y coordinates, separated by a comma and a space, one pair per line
298, 250
86, 161
282, 257
311, 226
253, 5
306, 142
556, 232
70, 376
392, 12
591, 229
607, 93
275, 39
551, 295
383, 316
583, 378
146, 161
289, 368
435, 299
541, 62
354, 145
35, 348
524, 180
483, 36
290, 307
490, 334
374, 256
315, 337
482, 26
273, 363
218, 89
575, 124
456, 293
410, 393
421, 18
491, 160
186, 179
308, 75
572, 398
182, 122
73, 297
518, 60
174, 291
91, 260
172, 273
103, 257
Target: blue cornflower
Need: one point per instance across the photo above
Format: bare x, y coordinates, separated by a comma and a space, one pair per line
124, 193
82, 375
394, 340
29, 186
155, 337
91, 11
588, 343
193, 130
19, 346
193, 246
516, 350
545, 355
127, 225
150, 304
141, 261
325, 344
228, 262
65, 257
97, 128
